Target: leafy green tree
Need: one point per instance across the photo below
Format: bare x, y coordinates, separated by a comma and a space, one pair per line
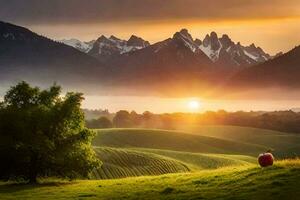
122, 119
43, 134
102, 122
136, 119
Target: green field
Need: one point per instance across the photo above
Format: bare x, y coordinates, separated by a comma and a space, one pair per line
121, 162
283, 144
281, 181
143, 152
205, 139
173, 140
208, 162
201, 161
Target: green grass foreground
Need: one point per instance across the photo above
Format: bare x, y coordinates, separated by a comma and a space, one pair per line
282, 181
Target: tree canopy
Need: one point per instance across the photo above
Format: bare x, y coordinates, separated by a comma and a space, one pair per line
101, 122
43, 134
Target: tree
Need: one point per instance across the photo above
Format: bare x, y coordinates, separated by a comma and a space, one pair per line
136, 119
122, 119
43, 134
148, 119
102, 122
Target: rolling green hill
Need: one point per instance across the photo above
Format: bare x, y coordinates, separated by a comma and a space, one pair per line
205, 139
122, 162
200, 161
140, 152
283, 144
281, 181
173, 140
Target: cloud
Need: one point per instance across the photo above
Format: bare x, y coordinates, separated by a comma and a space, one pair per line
94, 11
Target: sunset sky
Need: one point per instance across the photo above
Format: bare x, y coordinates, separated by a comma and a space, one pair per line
271, 24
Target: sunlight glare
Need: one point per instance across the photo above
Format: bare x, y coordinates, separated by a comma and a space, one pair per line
194, 105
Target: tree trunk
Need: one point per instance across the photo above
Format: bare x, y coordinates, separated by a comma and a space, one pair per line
33, 172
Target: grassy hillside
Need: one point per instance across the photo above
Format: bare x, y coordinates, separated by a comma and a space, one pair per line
205, 139
139, 152
281, 181
173, 140
283, 144
121, 162
200, 161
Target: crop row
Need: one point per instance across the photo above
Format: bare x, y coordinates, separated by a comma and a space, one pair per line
120, 163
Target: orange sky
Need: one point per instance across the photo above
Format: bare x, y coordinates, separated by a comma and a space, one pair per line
169, 105
273, 35
271, 24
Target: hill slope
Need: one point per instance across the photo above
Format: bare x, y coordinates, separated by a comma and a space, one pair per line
25, 55
123, 162
283, 144
283, 71
173, 140
201, 161
281, 181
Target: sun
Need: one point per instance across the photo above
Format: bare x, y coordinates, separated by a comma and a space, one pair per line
194, 105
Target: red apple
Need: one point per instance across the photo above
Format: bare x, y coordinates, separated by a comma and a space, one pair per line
265, 159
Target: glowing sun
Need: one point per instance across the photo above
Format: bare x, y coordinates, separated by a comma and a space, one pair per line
194, 105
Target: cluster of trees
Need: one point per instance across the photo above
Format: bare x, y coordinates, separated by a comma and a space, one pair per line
43, 134
125, 119
286, 121
93, 114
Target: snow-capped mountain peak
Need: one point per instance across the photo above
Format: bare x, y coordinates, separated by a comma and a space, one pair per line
81, 46
211, 46
223, 50
187, 39
104, 48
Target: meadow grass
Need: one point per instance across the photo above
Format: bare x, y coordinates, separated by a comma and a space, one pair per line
281, 181
282, 144
173, 140
205, 139
120, 163
200, 161
123, 162
139, 152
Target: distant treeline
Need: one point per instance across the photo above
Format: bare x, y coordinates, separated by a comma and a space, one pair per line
286, 121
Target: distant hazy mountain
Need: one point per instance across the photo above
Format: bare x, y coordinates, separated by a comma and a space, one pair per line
282, 71
175, 61
81, 46
225, 52
178, 65
214, 59
222, 51
106, 48
25, 55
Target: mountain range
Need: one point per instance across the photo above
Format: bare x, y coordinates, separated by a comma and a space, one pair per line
110, 64
225, 52
222, 51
